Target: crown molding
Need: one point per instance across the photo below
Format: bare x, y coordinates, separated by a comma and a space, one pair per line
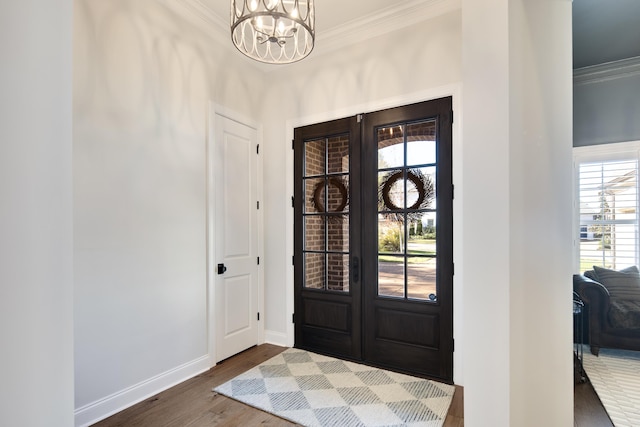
606, 72
392, 18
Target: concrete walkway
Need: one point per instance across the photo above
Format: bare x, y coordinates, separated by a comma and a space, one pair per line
421, 279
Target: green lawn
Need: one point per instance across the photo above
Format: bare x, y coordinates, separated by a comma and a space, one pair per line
412, 240
412, 260
587, 264
414, 251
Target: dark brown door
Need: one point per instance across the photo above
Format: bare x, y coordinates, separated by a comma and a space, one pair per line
328, 298
408, 239
385, 295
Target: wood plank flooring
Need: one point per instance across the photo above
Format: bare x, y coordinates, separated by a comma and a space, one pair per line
587, 408
193, 404
588, 411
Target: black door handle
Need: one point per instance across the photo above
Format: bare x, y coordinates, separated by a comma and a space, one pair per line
355, 267
221, 268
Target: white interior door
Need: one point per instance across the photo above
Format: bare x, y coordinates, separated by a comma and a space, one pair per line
236, 237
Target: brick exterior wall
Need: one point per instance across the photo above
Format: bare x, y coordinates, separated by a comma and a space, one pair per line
420, 131
327, 162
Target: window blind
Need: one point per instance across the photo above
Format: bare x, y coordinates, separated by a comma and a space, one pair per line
608, 213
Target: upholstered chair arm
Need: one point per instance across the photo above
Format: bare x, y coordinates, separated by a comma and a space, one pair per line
590, 291
597, 298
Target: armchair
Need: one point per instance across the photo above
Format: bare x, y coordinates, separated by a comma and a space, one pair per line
612, 302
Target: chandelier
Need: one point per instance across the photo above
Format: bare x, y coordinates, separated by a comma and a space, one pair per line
273, 31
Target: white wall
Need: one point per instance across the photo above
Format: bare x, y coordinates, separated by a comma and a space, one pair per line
606, 106
540, 161
36, 268
143, 80
517, 143
485, 220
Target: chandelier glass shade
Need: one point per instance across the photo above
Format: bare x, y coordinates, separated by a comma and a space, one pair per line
273, 31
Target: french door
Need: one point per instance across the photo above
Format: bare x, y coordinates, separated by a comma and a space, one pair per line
373, 238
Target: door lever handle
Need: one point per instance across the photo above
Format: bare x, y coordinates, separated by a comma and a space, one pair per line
221, 268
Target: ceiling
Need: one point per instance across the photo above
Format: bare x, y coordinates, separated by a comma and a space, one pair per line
338, 22
605, 31
330, 14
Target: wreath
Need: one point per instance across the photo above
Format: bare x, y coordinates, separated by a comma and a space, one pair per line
423, 184
318, 200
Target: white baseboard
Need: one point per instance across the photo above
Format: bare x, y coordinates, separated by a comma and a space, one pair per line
105, 407
276, 338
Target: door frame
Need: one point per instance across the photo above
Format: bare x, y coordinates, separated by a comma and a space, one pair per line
453, 90
210, 197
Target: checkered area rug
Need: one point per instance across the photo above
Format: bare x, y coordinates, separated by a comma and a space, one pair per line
615, 376
314, 390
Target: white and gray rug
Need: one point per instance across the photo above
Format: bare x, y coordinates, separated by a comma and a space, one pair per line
615, 376
314, 390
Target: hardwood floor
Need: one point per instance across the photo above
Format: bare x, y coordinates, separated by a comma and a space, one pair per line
193, 404
587, 408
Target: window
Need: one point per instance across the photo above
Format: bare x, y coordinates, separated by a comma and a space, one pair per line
607, 205
407, 210
326, 213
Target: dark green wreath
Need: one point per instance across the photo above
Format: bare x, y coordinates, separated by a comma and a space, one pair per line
426, 194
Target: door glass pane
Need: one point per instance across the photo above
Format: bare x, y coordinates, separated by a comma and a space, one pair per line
338, 154
422, 234
338, 197
391, 190
421, 278
314, 270
415, 190
314, 199
314, 229
391, 276
338, 233
421, 143
391, 236
421, 188
337, 272
314, 157
390, 147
